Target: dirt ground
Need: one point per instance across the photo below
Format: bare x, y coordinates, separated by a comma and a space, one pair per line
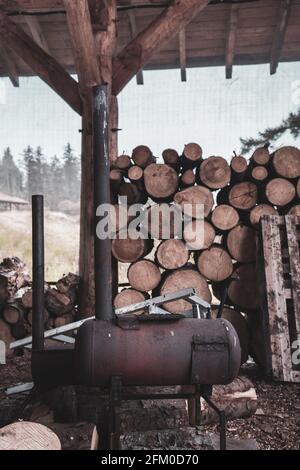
275, 425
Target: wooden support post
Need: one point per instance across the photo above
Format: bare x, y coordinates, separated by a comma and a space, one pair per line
139, 51
182, 54
279, 35
45, 66
231, 39
10, 65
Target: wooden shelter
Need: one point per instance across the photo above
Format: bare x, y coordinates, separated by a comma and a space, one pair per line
8, 202
112, 41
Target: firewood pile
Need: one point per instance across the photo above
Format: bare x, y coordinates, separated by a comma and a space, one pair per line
234, 195
16, 301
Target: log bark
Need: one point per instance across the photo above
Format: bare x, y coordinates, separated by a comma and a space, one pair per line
132, 192
135, 174
192, 200
58, 304
215, 264
182, 279
258, 211
171, 158
224, 217
142, 156
243, 195
144, 275
261, 156
214, 173
188, 178
238, 167
241, 244
240, 325
199, 235
128, 297
13, 276
128, 250
286, 162
280, 192
243, 292
161, 181
191, 156
172, 254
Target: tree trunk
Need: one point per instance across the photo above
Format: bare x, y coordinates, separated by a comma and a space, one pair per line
183, 279
144, 275
243, 195
214, 173
128, 297
172, 254
224, 218
191, 200
161, 181
215, 264
241, 244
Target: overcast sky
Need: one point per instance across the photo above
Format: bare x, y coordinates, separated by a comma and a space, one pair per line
163, 113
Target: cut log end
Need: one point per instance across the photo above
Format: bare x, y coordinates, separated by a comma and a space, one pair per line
172, 254
286, 162
243, 195
129, 297
258, 211
161, 181
199, 235
225, 217
196, 201
280, 192
241, 244
215, 172
144, 275
215, 264
142, 156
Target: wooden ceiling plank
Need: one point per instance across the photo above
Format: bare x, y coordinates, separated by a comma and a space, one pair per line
36, 32
83, 42
142, 48
231, 40
132, 25
279, 34
182, 54
45, 66
10, 66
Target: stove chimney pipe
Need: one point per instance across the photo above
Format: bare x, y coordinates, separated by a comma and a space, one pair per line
102, 248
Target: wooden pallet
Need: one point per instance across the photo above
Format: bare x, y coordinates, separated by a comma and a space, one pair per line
279, 272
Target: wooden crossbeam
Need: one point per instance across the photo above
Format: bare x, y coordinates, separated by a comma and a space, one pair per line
32, 5
279, 34
45, 66
231, 39
36, 32
141, 49
182, 54
83, 42
132, 25
10, 66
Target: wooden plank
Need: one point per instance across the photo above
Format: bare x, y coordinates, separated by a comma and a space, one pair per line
36, 32
10, 65
231, 39
293, 247
182, 54
83, 43
41, 63
279, 34
278, 320
139, 51
132, 25
32, 5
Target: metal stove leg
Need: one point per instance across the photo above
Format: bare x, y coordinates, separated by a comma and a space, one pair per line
222, 420
114, 421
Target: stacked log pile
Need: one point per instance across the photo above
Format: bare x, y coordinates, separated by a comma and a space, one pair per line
16, 301
234, 195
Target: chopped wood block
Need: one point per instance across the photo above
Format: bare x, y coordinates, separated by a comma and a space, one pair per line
28, 436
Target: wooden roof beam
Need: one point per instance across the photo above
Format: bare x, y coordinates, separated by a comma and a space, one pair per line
279, 35
132, 25
83, 42
231, 40
45, 66
141, 49
10, 66
182, 54
36, 32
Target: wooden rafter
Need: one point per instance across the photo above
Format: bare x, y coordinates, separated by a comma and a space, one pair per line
32, 5
83, 42
45, 66
279, 35
132, 25
182, 54
10, 65
140, 50
36, 32
231, 39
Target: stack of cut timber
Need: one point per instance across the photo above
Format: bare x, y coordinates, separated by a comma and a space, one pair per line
16, 301
244, 191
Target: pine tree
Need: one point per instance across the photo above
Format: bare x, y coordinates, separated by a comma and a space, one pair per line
290, 124
55, 183
10, 175
71, 174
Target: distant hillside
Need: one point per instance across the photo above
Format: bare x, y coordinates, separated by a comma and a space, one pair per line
61, 238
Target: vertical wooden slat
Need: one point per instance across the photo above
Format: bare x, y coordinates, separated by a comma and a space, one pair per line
278, 320
293, 247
